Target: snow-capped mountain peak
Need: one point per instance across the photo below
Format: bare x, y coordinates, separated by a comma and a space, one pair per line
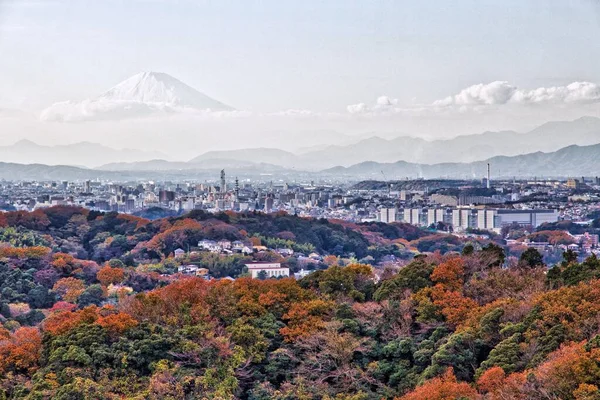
142, 94
158, 87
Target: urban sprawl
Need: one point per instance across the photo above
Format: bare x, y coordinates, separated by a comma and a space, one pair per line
457, 207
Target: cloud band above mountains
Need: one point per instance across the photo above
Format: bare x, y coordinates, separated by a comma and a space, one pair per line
496, 93
99, 110
158, 94
501, 92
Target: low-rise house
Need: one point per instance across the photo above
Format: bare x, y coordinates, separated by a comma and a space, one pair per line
302, 273
237, 245
574, 247
209, 245
247, 250
285, 252
179, 253
205, 244
187, 269
304, 261
224, 244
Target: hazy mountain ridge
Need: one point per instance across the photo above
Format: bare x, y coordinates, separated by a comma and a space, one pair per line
548, 137
265, 155
567, 162
80, 154
163, 165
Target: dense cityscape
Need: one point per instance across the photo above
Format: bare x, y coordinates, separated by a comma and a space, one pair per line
462, 208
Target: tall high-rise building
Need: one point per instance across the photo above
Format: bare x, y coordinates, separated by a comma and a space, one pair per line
165, 196
129, 205
223, 183
268, 204
486, 219
435, 215
387, 215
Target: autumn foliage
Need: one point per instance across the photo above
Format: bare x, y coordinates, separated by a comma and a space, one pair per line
108, 275
445, 387
69, 289
94, 306
20, 351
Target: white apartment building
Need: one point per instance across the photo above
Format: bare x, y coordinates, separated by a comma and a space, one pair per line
435, 215
387, 215
272, 270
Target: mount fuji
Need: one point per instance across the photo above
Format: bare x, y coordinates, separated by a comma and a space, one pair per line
143, 94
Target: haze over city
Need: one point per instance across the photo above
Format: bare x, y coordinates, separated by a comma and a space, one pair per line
290, 75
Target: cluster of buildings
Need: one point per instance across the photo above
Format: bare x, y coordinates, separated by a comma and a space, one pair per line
224, 246
463, 218
456, 204
256, 269
583, 244
212, 196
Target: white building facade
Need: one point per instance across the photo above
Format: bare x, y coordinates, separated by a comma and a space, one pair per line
271, 270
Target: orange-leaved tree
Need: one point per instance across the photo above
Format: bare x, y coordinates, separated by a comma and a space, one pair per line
109, 275
69, 289
305, 318
445, 387
20, 352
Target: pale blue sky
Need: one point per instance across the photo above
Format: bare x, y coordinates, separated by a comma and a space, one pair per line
273, 55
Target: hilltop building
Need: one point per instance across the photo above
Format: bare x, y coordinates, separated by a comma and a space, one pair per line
270, 270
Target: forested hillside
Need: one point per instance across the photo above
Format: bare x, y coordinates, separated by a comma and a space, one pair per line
92, 307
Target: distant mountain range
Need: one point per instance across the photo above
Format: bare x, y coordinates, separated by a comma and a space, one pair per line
270, 156
567, 162
404, 155
140, 95
84, 154
469, 148
13, 171
571, 161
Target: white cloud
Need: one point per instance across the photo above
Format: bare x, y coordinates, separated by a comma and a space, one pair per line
384, 101
294, 112
501, 92
94, 110
384, 104
113, 110
123, 102
485, 95
357, 108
